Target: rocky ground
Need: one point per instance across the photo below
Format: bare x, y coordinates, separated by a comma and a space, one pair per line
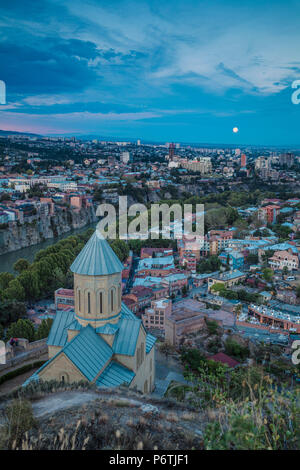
112, 419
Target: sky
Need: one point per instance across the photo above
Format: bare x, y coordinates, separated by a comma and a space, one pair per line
173, 70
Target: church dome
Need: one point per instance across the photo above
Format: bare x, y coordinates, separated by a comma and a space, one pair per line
97, 258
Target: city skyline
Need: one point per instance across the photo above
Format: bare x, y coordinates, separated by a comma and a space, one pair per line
181, 71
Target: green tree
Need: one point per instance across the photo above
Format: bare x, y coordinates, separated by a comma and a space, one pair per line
218, 287
268, 274
21, 265
285, 271
14, 291
11, 311
30, 283
21, 329
44, 329
5, 279
184, 290
232, 348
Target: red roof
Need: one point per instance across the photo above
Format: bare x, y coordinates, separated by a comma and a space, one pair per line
224, 359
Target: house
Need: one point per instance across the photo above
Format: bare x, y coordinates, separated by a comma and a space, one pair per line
284, 259
64, 299
154, 317
228, 279
224, 359
101, 341
234, 259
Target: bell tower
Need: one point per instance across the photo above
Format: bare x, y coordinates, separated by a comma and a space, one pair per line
97, 283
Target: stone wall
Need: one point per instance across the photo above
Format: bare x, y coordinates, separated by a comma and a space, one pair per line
32, 350
18, 236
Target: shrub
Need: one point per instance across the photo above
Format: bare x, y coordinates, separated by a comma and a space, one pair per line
19, 420
19, 371
212, 327
235, 349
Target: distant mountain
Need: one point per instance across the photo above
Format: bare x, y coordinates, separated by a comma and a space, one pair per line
7, 133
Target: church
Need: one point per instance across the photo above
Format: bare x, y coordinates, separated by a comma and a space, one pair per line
101, 341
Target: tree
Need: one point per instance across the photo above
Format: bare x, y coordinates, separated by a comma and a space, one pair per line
5, 279
21, 329
1, 332
218, 287
121, 249
14, 291
11, 311
184, 291
98, 195
44, 329
232, 348
285, 271
30, 283
268, 274
21, 265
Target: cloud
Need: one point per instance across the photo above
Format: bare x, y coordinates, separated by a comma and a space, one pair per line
145, 61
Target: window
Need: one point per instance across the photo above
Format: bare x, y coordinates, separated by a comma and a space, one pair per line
119, 296
112, 300
101, 302
79, 301
89, 302
142, 352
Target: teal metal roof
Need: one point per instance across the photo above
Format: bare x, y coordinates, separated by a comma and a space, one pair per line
74, 325
150, 341
97, 258
107, 329
114, 375
88, 352
126, 312
127, 336
58, 335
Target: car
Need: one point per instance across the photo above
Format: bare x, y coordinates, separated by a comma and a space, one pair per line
290, 278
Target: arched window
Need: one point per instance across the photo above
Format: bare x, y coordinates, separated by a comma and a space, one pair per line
142, 352
100, 302
119, 296
112, 300
79, 301
89, 302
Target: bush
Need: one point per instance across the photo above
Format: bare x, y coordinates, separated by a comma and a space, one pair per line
19, 420
236, 350
212, 327
257, 426
20, 371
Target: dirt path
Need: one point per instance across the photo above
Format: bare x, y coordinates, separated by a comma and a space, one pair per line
16, 382
43, 357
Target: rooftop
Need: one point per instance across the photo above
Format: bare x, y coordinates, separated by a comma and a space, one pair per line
97, 258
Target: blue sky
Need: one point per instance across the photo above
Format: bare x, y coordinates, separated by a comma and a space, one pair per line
184, 71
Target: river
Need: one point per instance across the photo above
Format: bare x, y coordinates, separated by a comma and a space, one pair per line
7, 260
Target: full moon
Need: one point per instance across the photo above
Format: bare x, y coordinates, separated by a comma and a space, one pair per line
235, 130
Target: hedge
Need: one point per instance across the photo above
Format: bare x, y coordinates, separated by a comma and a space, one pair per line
21, 370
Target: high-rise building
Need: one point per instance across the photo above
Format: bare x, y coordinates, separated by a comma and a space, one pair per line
125, 157
171, 151
262, 162
287, 159
243, 160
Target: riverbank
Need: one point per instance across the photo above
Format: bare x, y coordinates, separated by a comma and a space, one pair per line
7, 260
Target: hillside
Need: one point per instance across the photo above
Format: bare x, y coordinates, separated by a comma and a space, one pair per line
78, 416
